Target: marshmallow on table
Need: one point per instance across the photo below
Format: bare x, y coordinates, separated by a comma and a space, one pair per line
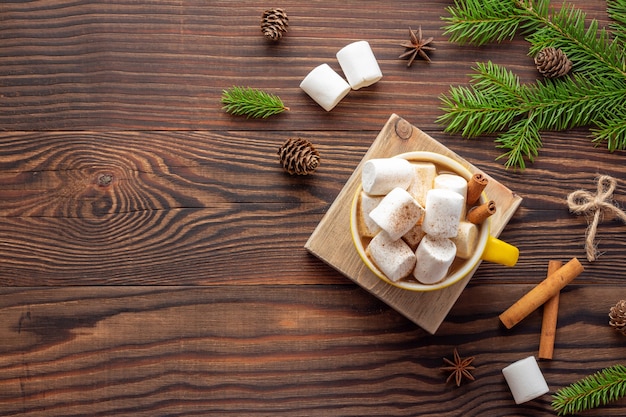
393, 257
359, 64
381, 175
433, 259
325, 86
424, 179
397, 213
369, 228
443, 213
466, 240
525, 380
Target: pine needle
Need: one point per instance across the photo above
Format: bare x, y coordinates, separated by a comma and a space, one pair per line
593, 391
250, 102
617, 11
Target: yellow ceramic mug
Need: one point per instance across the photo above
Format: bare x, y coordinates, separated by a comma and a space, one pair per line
488, 247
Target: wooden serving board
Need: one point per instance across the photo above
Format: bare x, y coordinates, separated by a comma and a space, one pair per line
331, 240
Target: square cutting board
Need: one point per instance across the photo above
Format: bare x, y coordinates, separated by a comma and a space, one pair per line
331, 240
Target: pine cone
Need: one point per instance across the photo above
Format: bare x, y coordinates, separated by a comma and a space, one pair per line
298, 156
274, 22
617, 317
552, 63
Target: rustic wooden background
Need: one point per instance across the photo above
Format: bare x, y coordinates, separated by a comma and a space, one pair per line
151, 248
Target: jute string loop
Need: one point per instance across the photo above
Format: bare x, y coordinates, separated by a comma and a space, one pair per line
595, 205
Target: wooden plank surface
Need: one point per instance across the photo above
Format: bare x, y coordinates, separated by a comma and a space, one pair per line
305, 350
152, 256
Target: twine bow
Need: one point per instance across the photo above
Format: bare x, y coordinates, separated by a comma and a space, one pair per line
583, 202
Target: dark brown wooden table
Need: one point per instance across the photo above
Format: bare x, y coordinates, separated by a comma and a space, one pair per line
152, 256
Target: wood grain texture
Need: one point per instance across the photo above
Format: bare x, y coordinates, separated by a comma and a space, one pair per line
306, 350
152, 258
174, 208
182, 205
163, 64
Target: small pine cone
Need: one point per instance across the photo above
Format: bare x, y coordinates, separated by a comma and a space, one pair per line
552, 62
274, 22
298, 156
617, 317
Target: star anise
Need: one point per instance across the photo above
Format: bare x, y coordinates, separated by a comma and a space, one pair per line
459, 368
417, 46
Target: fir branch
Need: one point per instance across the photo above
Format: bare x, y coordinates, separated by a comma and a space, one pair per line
495, 101
250, 102
490, 104
595, 390
575, 101
480, 22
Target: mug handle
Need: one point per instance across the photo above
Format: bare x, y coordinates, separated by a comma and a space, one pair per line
500, 252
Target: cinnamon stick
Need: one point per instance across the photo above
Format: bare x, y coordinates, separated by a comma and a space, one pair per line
545, 290
479, 214
550, 315
475, 187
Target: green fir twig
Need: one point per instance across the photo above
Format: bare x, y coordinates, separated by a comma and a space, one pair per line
593, 391
496, 101
251, 102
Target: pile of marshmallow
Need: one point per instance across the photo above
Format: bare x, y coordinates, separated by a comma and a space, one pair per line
358, 64
415, 218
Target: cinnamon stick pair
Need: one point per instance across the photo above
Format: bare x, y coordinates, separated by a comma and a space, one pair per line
558, 277
475, 187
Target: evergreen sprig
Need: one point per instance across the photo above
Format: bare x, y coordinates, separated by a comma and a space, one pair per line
251, 102
593, 391
496, 101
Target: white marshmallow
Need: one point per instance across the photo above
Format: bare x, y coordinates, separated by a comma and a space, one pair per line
424, 179
397, 213
325, 86
359, 64
525, 380
433, 259
452, 182
466, 240
393, 257
368, 227
443, 213
381, 175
